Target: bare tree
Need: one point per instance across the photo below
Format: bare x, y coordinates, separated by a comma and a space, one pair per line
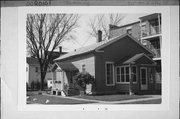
45, 32
102, 22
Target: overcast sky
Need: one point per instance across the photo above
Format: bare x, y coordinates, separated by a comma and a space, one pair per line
82, 37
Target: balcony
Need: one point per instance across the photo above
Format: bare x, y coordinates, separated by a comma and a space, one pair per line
153, 30
157, 52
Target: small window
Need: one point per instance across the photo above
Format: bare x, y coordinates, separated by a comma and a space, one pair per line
129, 31
83, 67
36, 69
134, 72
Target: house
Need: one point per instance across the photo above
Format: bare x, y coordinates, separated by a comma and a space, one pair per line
131, 28
33, 71
148, 31
120, 65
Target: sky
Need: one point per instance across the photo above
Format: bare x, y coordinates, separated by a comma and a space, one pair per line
82, 37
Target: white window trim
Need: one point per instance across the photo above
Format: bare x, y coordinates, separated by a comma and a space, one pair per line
120, 75
106, 73
124, 73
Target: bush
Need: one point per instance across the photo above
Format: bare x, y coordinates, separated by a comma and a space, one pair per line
82, 79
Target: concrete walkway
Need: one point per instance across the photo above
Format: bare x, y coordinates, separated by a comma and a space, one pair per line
151, 97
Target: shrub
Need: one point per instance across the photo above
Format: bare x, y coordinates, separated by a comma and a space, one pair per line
82, 79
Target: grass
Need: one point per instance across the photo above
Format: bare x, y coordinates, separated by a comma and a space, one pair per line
155, 101
41, 99
118, 97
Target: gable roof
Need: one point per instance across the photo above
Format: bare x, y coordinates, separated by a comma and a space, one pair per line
135, 58
97, 46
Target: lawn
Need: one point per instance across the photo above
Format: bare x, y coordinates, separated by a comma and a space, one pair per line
117, 97
34, 98
41, 99
155, 101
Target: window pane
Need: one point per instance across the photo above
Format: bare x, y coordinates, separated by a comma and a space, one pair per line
127, 70
122, 78
118, 78
117, 70
122, 70
127, 77
109, 73
134, 70
134, 78
134, 74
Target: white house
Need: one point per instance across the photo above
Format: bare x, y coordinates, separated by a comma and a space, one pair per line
33, 74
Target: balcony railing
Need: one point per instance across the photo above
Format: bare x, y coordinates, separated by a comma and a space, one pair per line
157, 52
153, 30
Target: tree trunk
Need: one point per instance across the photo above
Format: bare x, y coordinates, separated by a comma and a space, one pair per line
43, 74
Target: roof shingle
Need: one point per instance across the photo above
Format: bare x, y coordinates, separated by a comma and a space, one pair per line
95, 46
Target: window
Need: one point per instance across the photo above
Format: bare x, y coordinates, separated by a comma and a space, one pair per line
83, 67
118, 74
123, 74
36, 69
134, 71
129, 31
109, 74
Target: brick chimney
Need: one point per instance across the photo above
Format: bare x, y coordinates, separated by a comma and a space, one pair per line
60, 49
99, 39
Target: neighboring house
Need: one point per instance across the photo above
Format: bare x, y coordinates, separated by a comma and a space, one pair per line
33, 71
120, 65
132, 29
148, 31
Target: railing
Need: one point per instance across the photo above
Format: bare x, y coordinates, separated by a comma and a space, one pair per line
158, 77
153, 30
157, 52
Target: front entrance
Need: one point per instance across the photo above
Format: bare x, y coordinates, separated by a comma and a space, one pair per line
143, 78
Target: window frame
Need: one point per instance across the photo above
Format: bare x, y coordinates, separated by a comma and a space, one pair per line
136, 74
129, 31
125, 82
106, 63
36, 69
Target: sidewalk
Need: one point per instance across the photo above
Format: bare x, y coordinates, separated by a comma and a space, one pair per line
151, 97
